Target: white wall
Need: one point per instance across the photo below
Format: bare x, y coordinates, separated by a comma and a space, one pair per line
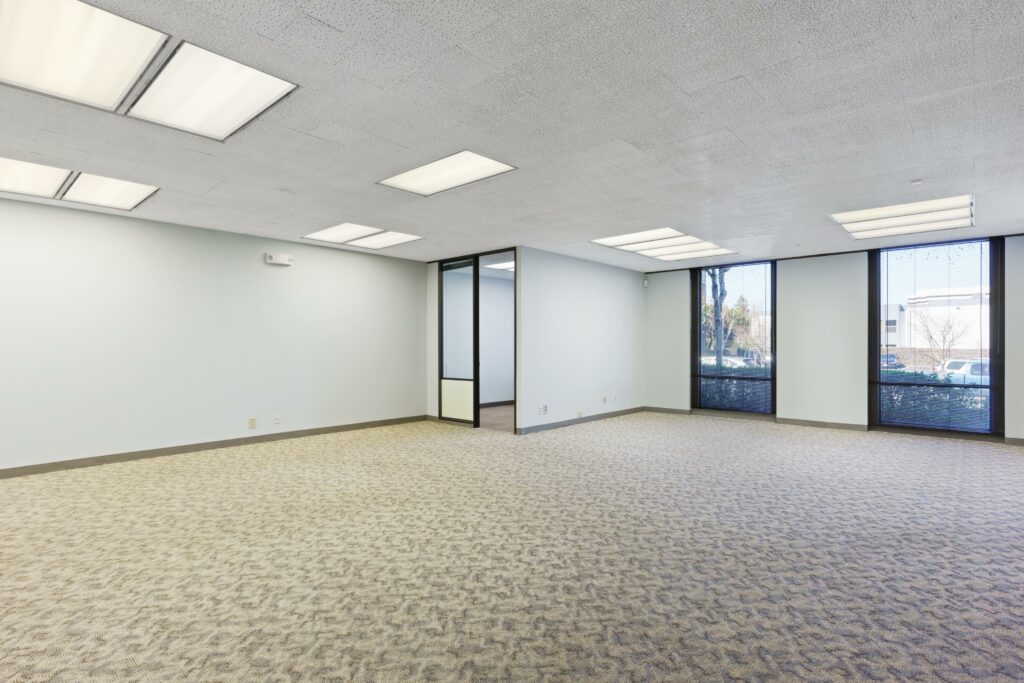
123, 335
821, 339
581, 330
667, 341
431, 346
497, 339
1014, 427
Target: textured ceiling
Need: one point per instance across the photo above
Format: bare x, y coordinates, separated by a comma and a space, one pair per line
743, 123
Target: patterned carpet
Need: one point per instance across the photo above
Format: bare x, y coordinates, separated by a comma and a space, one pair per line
646, 547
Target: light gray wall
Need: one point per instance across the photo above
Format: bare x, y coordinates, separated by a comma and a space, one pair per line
667, 340
121, 335
1014, 427
581, 331
431, 346
821, 339
497, 339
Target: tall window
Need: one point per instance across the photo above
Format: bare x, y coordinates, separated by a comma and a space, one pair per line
934, 337
734, 368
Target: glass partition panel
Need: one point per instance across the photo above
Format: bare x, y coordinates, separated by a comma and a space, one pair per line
458, 362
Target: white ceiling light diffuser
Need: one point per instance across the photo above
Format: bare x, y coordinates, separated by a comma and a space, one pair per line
384, 240
346, 232
109, 192
207, 94
23, 177
666, 244
907, 219
72, 50
510, 265
444, 174
355, 235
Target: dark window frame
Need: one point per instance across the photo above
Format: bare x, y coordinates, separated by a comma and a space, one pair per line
696, 309
997, 337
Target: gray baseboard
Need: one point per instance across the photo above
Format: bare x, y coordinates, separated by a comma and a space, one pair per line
1012, 441
577, 420
732, 414
818, 423
495, 404
673, 411
42, 468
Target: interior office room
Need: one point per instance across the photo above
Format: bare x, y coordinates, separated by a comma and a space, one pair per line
546, 340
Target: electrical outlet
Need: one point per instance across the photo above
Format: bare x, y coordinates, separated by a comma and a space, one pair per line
277, 419
604, 399
252, 423
545, 409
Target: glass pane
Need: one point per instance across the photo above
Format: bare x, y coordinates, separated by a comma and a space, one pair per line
736, 321
752, 396
457, 321
736, 337
935, 330
937, 407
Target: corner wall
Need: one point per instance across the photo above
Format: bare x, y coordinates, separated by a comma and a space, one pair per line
580, 334
121, 335
667, 340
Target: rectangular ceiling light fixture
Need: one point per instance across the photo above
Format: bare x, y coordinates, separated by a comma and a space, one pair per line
23, 177
355, 235
71, 50
456, 170
207, 94
508, 265
346, 232
109, 192
906, 219
666, 244
384, 240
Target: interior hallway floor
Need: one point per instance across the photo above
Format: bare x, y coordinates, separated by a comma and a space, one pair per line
643, 547
499, 418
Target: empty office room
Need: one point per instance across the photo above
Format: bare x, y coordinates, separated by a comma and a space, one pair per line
536, 340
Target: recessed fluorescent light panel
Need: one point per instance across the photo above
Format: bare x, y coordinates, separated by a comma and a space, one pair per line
72, 50
355, 235
383, 240
346, 232
23, 177
510, 265
203, 93
109, 192
444, 174
666, 244
907, 219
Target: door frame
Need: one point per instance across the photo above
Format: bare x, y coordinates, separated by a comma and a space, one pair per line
475, 259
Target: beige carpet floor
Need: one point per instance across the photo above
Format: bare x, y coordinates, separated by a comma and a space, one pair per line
648, 547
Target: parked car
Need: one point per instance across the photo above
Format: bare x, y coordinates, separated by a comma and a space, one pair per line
890, 362
727, 361
949, 366
969, 372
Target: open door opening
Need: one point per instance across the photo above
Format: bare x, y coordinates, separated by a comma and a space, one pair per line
477, 338
497, 376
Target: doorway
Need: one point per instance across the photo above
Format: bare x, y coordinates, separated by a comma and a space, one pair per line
476, 325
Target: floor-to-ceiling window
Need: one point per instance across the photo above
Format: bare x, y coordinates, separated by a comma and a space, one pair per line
734, 365
935, 336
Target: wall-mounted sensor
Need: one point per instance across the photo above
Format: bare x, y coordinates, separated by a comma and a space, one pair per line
278, 259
